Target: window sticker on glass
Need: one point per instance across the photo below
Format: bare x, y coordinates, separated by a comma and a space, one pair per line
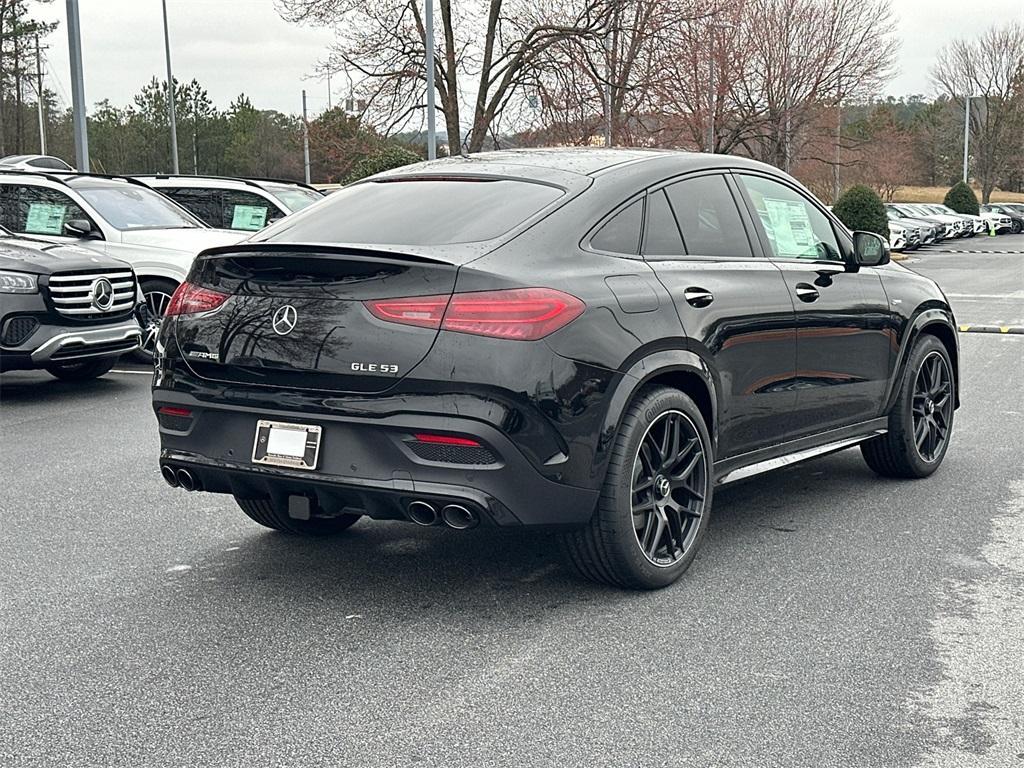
249, 217
791, 227
45, 218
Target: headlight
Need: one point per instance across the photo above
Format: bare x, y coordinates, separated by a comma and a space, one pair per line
18, 282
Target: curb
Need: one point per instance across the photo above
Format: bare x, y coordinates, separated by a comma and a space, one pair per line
1014, 329
961, 250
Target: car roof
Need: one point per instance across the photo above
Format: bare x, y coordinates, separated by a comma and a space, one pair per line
217, 182
572, 167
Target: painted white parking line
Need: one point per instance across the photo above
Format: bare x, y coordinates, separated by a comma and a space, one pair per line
142, 373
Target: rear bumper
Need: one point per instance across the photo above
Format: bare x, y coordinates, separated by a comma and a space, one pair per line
367, 464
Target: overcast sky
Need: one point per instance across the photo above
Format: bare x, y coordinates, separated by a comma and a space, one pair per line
236, 46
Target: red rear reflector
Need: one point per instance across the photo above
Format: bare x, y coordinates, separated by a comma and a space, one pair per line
190, 299
169, 410
524, 314
446, 440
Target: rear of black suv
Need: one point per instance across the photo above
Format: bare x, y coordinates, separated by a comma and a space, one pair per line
64, 309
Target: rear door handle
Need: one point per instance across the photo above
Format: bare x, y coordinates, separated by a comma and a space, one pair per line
806, 292
698, 297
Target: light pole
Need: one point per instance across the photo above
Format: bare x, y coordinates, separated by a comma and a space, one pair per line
967, 131
428, 23
712, 85
77, 88
170, 95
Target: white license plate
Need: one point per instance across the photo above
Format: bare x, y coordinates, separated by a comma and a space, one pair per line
286, 445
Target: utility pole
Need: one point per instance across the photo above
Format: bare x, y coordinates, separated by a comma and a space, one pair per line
839, 138
170, 95
305, 137
329, 106
428, 23
608, 90
39, 92
967, 131
77, 88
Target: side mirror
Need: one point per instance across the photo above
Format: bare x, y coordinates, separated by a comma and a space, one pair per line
870, 250
81, 228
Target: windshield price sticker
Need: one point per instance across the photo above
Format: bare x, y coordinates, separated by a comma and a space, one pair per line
249, 217
791, 227
45, 218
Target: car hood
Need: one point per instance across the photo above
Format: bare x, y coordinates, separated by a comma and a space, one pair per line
190, 241
42, 258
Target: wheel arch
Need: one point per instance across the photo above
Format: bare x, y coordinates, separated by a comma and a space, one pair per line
937, 322
678, 369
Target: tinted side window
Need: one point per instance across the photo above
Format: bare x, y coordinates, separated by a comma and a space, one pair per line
247, 211
621, 233
709, 218
38, 210
204, 203
796, 228
661, 236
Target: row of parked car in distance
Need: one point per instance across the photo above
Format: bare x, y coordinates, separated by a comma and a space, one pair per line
912, 225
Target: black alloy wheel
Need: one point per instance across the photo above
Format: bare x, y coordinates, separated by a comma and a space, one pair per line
669, 477
932, 406
656, 500
921, 420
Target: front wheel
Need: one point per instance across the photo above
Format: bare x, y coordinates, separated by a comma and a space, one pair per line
921, 421
267, 513
157, 293
83, 371
656, 499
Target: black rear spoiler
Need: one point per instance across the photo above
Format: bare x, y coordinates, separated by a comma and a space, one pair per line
378, 253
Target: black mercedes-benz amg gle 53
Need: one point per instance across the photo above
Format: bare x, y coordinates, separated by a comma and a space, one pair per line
590, 340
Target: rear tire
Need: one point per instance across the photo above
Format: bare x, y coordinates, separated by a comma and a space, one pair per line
268, 514
83, 371
921, 421
656, 499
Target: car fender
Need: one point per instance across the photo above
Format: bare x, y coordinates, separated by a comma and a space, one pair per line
923, 317
647, 368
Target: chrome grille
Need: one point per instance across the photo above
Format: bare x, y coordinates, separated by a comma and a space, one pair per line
74, 294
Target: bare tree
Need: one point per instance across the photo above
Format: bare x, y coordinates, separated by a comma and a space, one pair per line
594, 86
488, 51
990, 68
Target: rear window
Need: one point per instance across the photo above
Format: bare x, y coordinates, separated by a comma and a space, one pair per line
416, 212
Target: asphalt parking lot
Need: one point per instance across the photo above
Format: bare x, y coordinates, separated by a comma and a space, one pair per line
831, 618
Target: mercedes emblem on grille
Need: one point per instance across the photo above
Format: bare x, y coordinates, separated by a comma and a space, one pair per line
102, 294
284, 320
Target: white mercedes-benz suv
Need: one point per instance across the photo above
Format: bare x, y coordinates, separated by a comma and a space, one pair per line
117, 216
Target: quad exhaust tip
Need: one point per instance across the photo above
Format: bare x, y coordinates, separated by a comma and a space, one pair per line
186, 480
423, 513
458, 517
169, 477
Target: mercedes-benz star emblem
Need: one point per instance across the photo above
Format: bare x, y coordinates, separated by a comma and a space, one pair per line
102, 294
284, 320
662, 486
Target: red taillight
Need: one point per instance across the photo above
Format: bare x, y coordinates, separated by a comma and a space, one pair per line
423, 311
423, 437
189, 299
524, 314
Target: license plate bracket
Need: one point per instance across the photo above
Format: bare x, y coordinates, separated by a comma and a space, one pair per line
281, 444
